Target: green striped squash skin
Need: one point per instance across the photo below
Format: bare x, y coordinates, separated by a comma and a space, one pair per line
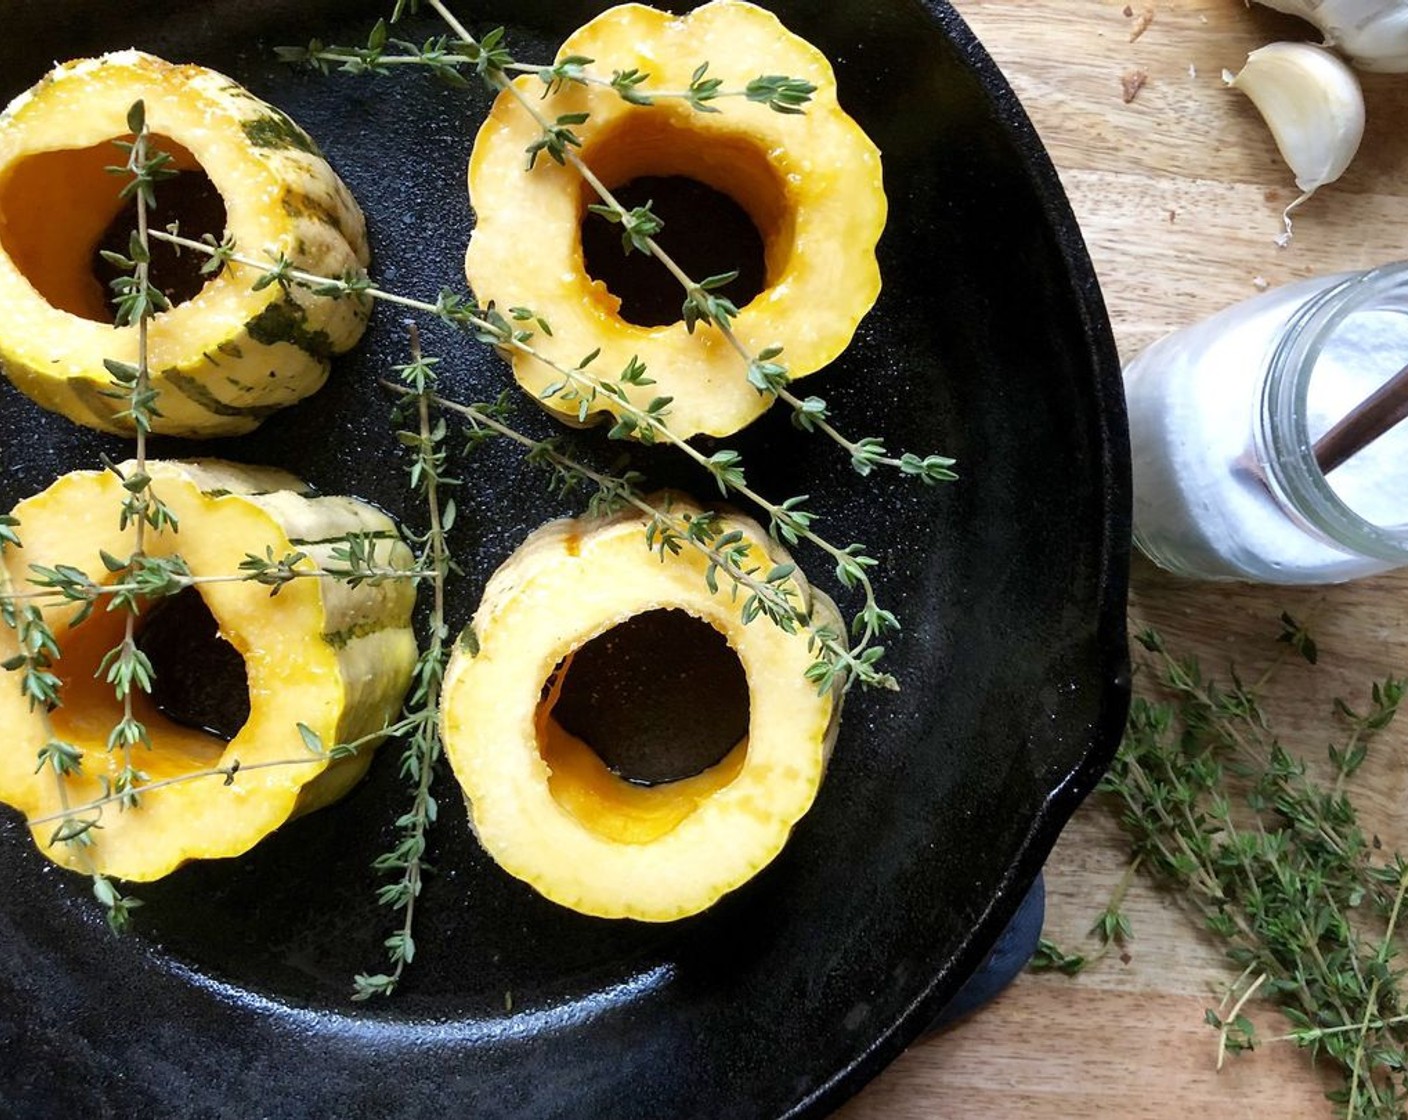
322, 653
231, 356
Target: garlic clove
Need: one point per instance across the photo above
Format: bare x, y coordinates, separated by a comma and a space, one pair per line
1379, 43
1314, 107
1373, 33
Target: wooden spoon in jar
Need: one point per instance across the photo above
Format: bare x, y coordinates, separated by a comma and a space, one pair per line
1369, 420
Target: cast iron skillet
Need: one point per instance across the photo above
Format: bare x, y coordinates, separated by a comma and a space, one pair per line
989, 343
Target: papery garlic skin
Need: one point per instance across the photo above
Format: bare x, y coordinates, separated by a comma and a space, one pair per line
1373, 33
1313, 105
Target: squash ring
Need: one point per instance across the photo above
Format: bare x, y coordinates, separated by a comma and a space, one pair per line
543, 804
322, 653
229, 356
812, 184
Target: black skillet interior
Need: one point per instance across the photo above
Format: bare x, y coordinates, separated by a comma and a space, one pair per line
989, 343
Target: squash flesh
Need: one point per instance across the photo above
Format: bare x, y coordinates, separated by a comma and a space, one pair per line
812, 184
211, 355
299, 670
558, 819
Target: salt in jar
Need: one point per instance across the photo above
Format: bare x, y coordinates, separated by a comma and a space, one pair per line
1224, 416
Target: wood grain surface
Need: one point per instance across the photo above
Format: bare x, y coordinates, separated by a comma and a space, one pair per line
1179, 193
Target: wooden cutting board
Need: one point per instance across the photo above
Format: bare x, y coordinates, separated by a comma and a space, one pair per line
1179, 193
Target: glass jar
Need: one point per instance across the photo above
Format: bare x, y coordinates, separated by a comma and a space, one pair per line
1224, 416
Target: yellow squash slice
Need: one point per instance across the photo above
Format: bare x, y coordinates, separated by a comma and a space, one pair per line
229, 356
335, 658
543, 803
812, 184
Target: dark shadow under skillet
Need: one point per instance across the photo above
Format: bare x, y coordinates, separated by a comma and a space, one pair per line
989, 343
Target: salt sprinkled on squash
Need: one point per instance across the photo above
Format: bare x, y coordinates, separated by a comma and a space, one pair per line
223, 359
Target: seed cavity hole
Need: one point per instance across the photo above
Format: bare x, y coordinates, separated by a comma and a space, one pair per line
200, 680
707, 234
189, 199
60, 210
660, 698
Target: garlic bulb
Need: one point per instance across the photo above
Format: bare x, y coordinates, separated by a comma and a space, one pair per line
1373, 33
1314, 107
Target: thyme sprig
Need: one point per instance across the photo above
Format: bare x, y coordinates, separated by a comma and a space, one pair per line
447, 58
424, 748
766, 594
125, 667
229, 773
155, 577
558, 138
38, 651
788, 520
1111, 930
138, 300
703, 302
1276, 864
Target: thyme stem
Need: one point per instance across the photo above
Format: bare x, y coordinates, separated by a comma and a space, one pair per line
622, 487
373, 60
1371, 1005
425, 748
229, 773
454, 24
1303, 1037
871, 622
587, 78
88, 590
1231, 1018
141, 386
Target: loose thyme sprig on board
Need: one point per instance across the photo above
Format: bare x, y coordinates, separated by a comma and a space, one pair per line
640, 226
1111, 930
789, 520
1276, 864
